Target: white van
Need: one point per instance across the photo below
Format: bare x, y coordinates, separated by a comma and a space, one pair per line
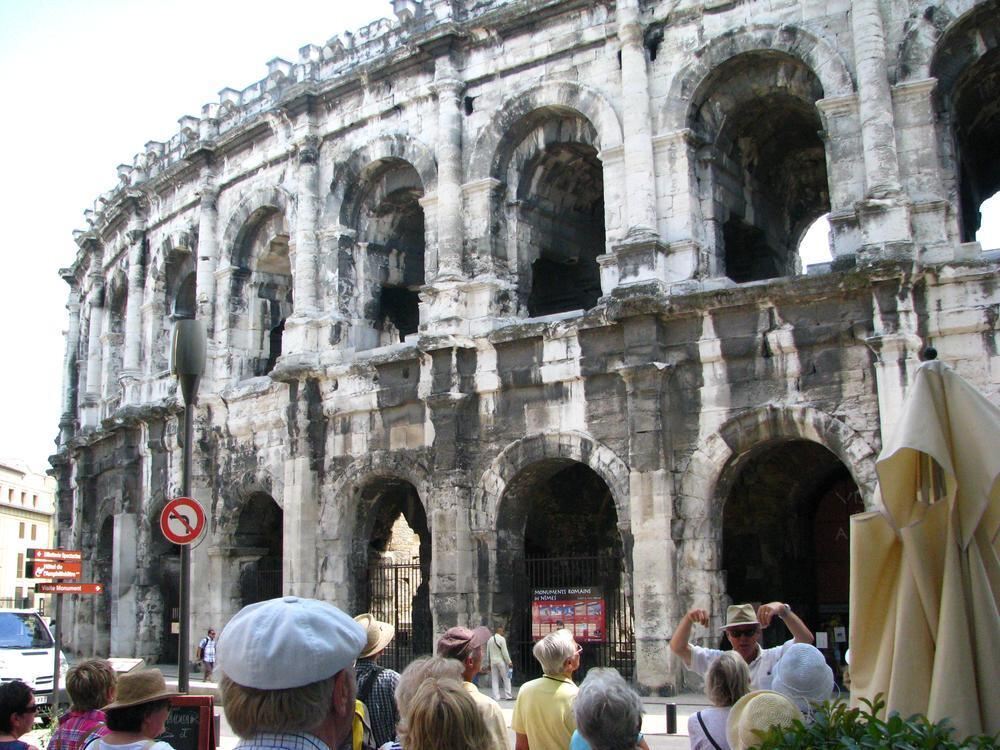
27, 652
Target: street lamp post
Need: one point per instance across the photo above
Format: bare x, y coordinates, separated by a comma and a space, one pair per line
188, 358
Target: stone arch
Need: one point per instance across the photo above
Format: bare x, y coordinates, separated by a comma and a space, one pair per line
349, 174
717, 463
242, 219
488, 155
573, 446
710, 464
815, 52
370, 494
921, 34
966, 64
337, 508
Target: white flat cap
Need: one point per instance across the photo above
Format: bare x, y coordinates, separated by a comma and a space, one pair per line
288, 642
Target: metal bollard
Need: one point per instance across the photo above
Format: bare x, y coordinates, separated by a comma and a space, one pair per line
671, 718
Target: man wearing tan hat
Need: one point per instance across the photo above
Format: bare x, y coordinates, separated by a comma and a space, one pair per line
288, 674
466, 646
743, 629
377, 685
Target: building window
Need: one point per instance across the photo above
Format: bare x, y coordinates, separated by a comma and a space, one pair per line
34, 501
20, 565
20, 530
24, 497
34, 532
10, 494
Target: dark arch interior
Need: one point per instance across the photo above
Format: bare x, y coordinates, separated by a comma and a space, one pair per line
390, 219
977, 134
561, 198
558, 527
786, 535
768, 163
259, 536
396, 580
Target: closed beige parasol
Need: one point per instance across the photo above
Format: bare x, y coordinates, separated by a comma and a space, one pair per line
925, 570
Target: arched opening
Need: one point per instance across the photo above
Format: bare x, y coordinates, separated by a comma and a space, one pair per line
554, 226
396, 578
258, 549
561, 227
390, 227
165, 597
103, 571
967, 66
113, 340
561, 558
786, 538
815, 248
763, 171
185, 303
262, 290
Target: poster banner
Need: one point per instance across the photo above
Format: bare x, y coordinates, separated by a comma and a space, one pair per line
578, 608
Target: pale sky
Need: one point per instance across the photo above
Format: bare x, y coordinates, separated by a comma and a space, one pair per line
85, 85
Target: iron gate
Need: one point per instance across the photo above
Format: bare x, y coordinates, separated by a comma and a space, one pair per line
397, 594
606, 571
260, 581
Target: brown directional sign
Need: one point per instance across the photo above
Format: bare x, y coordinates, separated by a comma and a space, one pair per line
52, 569
55, 554
69, 588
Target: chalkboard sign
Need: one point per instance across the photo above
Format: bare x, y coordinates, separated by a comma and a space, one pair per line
191, 723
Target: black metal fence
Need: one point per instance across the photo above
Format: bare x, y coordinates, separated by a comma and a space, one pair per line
397, 594
260, 581
604, 571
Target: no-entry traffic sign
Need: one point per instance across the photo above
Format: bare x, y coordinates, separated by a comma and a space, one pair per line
69, 588
182, 520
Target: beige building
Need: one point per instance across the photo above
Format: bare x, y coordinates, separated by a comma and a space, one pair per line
27, 520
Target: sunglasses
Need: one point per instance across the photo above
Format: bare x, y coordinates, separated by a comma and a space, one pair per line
742, 632
32, 709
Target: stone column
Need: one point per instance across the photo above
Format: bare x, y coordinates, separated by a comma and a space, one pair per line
92, 395
208, 249
651, 513
448, 88
71, 379
875, 102
640, 178
883, 214
123, 585
306, 240
133, 305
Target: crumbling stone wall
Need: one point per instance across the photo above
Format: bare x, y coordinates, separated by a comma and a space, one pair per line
526, 275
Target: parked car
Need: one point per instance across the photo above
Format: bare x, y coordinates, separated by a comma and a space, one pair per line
27, 653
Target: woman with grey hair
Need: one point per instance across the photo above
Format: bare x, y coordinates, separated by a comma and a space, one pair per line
727, 680
608, 714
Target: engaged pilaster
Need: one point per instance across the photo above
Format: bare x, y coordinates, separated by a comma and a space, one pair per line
448, 88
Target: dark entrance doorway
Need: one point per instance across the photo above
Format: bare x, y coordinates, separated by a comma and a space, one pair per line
559, 529
397, 577
258, 541
786, 538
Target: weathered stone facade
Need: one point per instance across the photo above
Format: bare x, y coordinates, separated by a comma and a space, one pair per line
526, 274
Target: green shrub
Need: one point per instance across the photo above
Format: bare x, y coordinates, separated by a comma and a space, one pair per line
835, 725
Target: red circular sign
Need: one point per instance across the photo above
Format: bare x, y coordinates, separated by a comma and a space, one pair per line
182, 520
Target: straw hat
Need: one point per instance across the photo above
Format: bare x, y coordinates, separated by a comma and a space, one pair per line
758, 711
141, 686
739, 615
803, 675
378, 633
